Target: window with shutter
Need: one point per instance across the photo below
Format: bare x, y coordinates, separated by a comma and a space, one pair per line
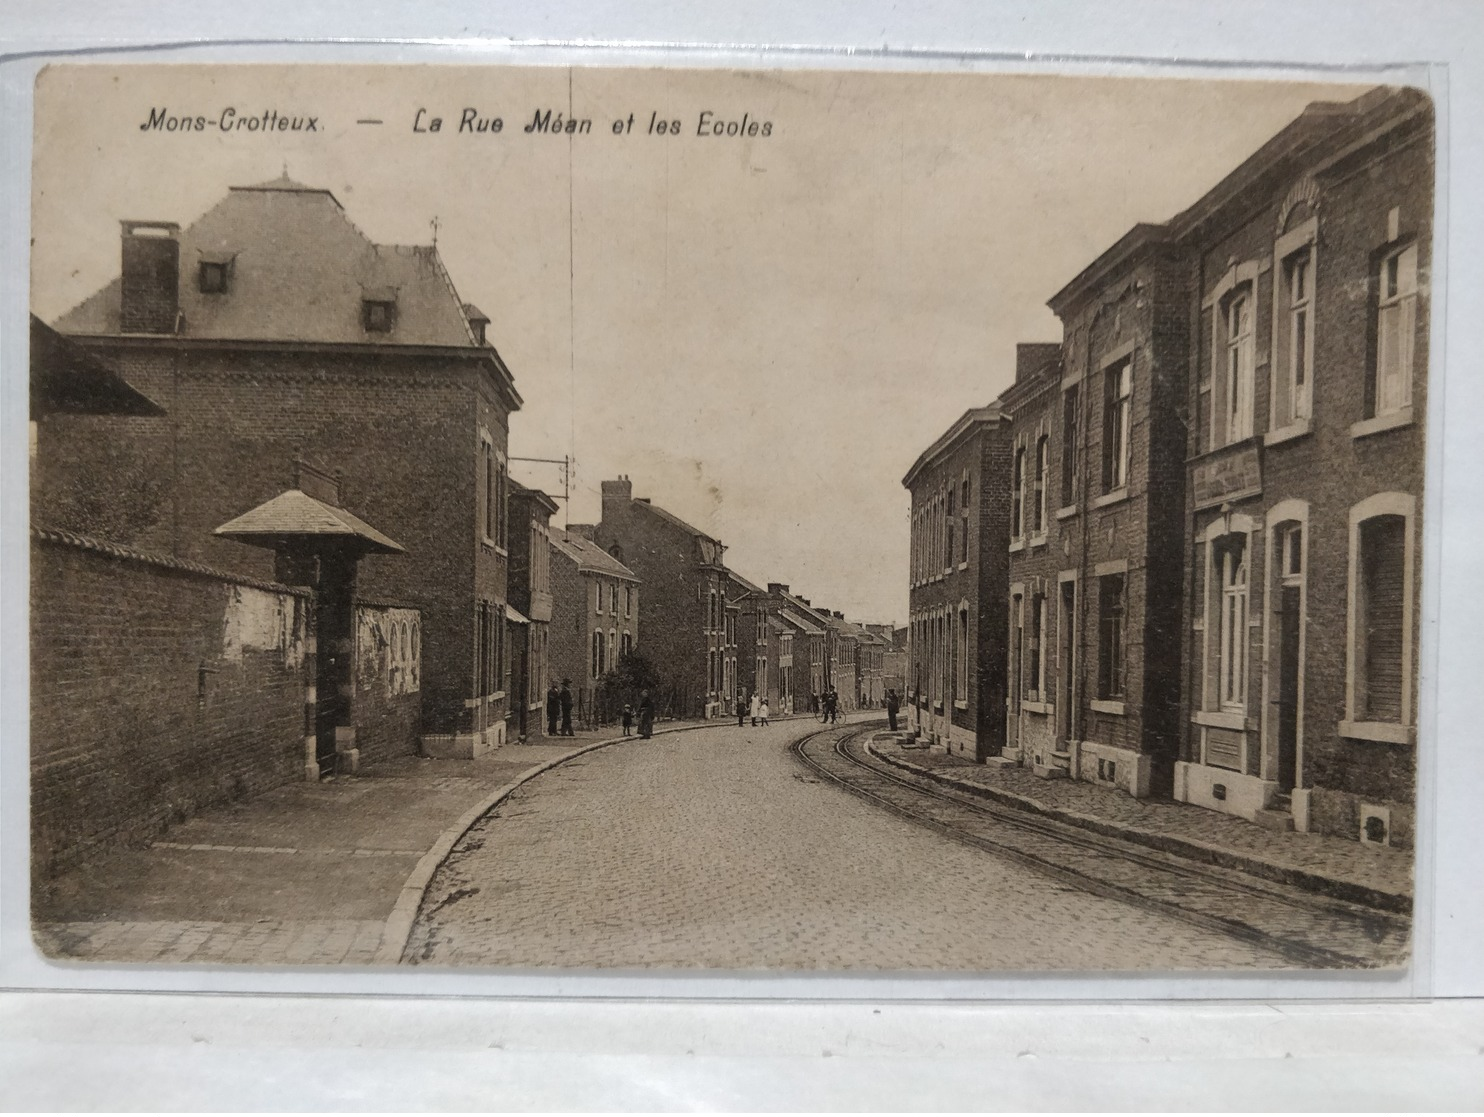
1383, 570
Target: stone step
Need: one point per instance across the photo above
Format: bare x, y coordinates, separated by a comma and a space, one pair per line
1048, 772
1271, 819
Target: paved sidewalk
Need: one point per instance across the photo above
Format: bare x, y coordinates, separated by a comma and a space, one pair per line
1372, 875
306, 874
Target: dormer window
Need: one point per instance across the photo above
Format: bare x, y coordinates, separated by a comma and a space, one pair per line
378, 315
213, 278
215, 273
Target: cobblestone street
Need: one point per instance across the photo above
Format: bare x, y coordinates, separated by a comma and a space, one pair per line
716, 848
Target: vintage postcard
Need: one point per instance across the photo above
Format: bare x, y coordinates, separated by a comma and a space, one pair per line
794, 520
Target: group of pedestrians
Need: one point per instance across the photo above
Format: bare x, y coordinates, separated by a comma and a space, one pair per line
559, 705
757, 707
829, 706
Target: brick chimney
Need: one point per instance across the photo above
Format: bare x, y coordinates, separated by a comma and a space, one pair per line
617, 494
149, 292
777, 588
1033, 355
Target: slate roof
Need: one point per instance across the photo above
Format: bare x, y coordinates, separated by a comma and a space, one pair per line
589, 556
299, 270
66, 377
296, 513
800, 623
747, 587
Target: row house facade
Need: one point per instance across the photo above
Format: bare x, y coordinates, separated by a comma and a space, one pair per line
1306, 399
844, 662
1096, 488
685, 614
279, 332
530, 603
955, 669
810, 648
595, 616
1214, 496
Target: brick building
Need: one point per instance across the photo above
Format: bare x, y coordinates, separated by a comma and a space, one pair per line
595, 618
531, 602
844, 658
684, 613
1306, 398
955, 673
273, 329
1098, 478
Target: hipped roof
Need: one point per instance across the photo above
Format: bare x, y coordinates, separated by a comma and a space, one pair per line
295, 514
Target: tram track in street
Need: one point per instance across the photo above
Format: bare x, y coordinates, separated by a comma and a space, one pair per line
1305, 928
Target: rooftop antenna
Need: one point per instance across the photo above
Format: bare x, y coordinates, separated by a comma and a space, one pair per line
434, 223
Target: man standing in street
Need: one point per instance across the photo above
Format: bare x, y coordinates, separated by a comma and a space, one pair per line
892, 706
553, 709
756, 702
565, 699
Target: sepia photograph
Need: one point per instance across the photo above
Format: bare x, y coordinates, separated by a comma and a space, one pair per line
835, 521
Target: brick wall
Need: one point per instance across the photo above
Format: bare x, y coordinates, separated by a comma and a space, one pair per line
156, 690
403, 431
387, 703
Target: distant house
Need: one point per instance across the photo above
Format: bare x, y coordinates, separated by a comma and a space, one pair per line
595, 617
684, 611
275, 331
960, 517
529, 606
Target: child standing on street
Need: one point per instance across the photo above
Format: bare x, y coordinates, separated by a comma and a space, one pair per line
762, 711
628, 719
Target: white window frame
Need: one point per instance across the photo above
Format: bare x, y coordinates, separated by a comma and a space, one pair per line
1396, 303
1290, 306
1218, 302
1403, 731
1235, 575
1238, 362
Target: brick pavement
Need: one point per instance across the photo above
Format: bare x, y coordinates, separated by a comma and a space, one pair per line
306, 874
715, 848
1377, 869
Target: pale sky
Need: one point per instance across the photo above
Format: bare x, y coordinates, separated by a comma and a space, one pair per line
762, 332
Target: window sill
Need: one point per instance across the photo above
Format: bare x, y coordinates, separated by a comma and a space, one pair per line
1108, 706
1038, 707
1017, 545
962, 704
1389, 732
1038, 540
1286, 434
1224, 719
964, 565
1117, 496
1391, 421
1066, 513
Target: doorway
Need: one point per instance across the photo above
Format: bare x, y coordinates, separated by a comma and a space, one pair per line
1289, 671
1066, 664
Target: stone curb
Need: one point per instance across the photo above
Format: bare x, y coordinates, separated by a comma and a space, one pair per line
1187, 848
398, 927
